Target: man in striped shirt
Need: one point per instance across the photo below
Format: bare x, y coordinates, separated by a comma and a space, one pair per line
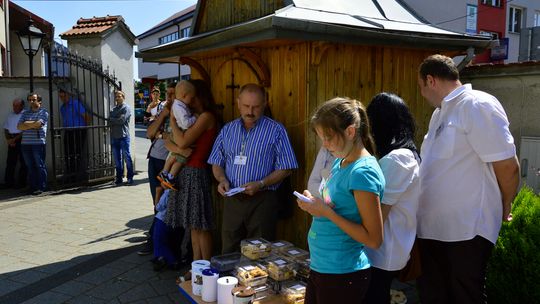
252, 152
33, 123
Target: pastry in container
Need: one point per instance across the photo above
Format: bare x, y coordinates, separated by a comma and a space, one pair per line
279, 268
294, 253
255, 249
303, 268
251, 274
279, 246
293, 292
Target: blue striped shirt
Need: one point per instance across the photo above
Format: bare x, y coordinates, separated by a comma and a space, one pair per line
35, 136
266, 146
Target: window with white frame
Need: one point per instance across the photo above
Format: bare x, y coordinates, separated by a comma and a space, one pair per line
536, 18
168, 38
515, 18
184, 32
496, 3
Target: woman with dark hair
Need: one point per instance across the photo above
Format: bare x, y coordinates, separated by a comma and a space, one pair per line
347, 219
393, 129
191, 208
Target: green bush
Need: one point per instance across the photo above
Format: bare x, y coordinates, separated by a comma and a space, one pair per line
514, 268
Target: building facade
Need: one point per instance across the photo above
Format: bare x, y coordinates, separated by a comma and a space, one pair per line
13, 60
508, 21
174, 28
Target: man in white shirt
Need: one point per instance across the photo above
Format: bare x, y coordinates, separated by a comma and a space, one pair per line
468, 179
13, 139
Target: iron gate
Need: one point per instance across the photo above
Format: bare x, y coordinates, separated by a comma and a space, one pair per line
81, 96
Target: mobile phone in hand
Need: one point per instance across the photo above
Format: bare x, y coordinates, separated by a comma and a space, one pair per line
302, 197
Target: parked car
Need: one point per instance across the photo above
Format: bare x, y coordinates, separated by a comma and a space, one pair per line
139, 115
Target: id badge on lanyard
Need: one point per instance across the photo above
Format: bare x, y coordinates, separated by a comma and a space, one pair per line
241, 160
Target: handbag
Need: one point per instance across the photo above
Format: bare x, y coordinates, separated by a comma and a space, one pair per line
413, 268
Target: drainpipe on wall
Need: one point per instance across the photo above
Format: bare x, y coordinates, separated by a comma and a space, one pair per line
179, 64
7, 68
529, 53
467, 59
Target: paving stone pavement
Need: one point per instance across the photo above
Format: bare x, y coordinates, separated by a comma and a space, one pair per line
80, 247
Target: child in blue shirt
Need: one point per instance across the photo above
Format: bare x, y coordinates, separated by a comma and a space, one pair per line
163, 255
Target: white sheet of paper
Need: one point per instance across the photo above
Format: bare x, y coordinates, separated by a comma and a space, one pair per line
234, 191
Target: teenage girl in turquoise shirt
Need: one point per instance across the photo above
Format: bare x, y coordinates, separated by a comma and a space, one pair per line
348, 217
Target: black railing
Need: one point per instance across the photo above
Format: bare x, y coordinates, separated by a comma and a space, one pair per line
81, 96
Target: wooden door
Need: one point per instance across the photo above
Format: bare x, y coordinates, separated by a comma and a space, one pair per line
230, 76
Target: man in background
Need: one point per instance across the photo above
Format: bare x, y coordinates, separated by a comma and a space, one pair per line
33, 123
13, 139
74, 121
119, 121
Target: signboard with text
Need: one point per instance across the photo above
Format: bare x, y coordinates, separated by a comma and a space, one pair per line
472, 17
500, 52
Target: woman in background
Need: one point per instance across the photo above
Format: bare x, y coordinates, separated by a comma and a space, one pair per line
393, 129
155, 106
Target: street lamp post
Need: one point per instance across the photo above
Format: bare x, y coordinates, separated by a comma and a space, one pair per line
30, 39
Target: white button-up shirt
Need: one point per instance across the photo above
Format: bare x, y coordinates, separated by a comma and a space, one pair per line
460, 197
11, 122
400, 169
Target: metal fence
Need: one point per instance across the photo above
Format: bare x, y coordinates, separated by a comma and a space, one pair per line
81, 96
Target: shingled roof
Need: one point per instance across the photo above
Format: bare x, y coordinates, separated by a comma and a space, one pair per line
96, 26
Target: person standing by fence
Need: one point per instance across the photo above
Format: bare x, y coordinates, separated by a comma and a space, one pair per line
13, 139
74, 120
119, 120
33, 123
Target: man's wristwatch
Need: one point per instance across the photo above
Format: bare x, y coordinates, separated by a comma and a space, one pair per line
261, 183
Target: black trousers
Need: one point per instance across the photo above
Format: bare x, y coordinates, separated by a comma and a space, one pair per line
326, 288
14, 157
379, 286
454, 272
75, 154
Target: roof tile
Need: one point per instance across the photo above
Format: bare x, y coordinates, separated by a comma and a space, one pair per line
91, 26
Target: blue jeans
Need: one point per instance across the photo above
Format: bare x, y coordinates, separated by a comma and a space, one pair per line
155, 165
34, 157
120, 149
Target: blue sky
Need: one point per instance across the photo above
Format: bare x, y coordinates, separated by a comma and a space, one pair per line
139, 15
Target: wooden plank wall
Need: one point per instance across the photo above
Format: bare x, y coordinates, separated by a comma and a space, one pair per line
218, 14
361, 72
303, 76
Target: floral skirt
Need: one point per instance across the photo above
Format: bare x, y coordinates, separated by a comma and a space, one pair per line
191, 206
